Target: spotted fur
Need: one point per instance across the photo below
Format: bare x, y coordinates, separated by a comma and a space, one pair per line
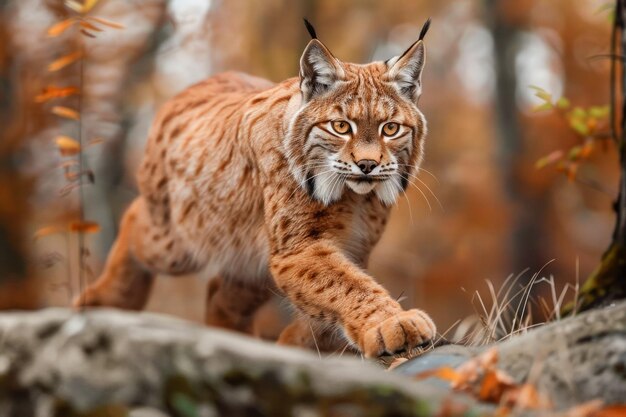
251, 182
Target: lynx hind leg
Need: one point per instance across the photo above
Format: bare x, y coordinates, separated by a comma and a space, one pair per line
308, 334
141, 250
231, 304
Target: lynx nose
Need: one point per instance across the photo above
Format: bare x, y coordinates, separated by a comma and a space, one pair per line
367, 165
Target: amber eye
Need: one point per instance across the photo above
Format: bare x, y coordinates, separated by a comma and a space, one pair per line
390, 129
341, 127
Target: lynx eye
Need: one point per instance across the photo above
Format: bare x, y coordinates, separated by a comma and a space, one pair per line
390, 129
341, 127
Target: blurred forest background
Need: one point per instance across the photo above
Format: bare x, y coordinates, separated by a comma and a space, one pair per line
495, 214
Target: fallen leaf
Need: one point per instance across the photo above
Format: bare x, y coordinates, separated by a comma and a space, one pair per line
527, 397
611, 411
489, 359
493, 385
446, 373
396, 362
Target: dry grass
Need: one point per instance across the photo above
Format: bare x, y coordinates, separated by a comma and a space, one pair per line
514, 308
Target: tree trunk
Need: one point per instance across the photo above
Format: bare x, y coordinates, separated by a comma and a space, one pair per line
525, 252
15, 290
608, 282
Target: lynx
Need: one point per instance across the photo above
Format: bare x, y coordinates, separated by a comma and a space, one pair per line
279, 187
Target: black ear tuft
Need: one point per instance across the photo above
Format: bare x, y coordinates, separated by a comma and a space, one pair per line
424, 29
310, 29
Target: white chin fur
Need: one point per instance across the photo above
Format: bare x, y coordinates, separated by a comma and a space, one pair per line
361, 187
388, 191
328, 187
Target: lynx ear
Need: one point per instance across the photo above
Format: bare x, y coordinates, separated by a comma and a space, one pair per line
319, 70
406, 71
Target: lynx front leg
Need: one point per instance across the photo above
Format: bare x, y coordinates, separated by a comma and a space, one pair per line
324, 284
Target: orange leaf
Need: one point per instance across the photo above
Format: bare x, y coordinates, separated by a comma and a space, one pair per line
396, 362
64, 61
446, 373
586, 149
106, 22
86, 25
59, 28
88, 5
494, 385
48, 230
572, 170
85, 227
56, 92
526, 396
489, 359
65, 112
67, 146
612, 411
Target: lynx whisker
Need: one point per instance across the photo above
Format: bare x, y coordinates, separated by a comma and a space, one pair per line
428, 188
430, 207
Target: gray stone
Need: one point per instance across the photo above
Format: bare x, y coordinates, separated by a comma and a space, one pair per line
107, 362
573, 360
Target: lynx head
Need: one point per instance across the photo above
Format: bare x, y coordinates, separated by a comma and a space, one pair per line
358, 126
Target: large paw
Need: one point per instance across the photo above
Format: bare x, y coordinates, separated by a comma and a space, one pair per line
403, 331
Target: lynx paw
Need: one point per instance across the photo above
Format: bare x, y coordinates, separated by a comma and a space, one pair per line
400, 332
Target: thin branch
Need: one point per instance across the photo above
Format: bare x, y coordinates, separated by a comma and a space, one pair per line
81, 194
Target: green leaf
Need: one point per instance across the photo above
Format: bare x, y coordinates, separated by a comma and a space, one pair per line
578, 113
579, 126
551, 158
543, 106
544, 96
541, 93
563, 103
599, 112
574, 153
